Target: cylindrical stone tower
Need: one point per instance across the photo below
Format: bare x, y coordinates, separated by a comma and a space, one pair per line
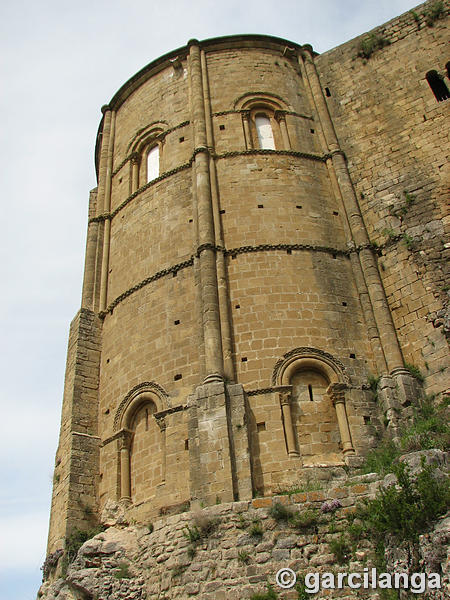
232, 305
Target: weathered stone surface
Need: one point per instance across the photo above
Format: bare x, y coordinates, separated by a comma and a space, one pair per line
237, 300
434, 457
113, 514
220, 570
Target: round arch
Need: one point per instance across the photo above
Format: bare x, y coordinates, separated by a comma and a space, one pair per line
135, 399
305, 358
252, 100
146, 135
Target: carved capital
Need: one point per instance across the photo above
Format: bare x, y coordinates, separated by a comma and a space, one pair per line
161, 422
135, 158
285, 398
336, 392
280, 115
125, 439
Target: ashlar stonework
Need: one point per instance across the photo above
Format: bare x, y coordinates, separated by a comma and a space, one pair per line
266, 242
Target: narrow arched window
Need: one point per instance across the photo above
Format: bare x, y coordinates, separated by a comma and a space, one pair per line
146, 454
437, 85
153, 163
264, 132
314, 418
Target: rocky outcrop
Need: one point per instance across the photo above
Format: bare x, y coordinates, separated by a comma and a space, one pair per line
232, 551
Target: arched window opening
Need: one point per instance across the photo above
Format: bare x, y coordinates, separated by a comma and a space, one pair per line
314, 418
264, 132
153, 163
145, 453
308, 385
437, 85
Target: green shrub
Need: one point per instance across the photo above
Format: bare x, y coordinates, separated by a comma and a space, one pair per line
304, 520
123, 571
356, 531
243, 557
390, 233
407, 509
430, 429
373, 382
202, 528
280, 512
243, 523
300, 588
379, 460
150, 527
192, 534
74, 541
341, 550
435, 12
370, 44
269, 595
415, 372
409, 198
256, 530
77, 538
409, 242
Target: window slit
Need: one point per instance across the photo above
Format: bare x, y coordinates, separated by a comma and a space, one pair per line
310, 391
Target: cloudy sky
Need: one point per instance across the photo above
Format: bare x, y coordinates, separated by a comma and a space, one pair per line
60, 61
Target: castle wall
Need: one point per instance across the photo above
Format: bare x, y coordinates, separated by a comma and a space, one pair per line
243, 301
75, 480
152, 281
393, 132
241, 549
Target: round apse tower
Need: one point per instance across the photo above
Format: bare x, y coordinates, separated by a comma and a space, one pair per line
232, 306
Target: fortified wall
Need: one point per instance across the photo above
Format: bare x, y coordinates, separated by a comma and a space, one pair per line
265, 245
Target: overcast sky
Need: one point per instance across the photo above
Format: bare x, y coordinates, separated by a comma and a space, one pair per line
60, 62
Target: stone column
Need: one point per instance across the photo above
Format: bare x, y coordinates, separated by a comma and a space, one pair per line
222, 281
87, 297
125, 474
106, 211
380, 307
280, 116
161, 422
102, 176
285, 401
247, 132
134, 172
337, 395
206, 251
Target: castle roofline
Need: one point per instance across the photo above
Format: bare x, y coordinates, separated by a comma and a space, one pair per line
251, 40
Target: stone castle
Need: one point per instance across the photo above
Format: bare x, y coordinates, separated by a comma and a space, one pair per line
266, 244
